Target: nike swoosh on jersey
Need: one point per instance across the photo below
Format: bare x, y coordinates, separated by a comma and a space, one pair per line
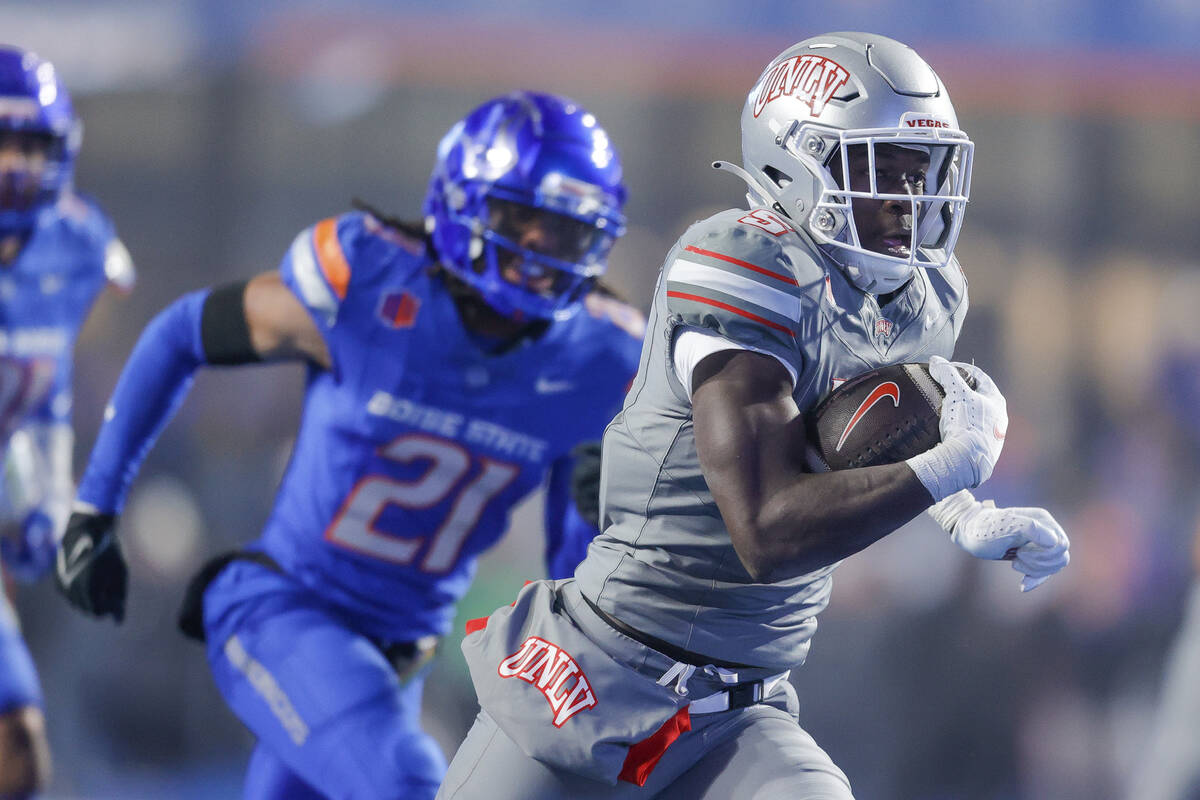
548, 386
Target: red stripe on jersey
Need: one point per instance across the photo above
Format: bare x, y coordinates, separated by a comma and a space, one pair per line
776, 275
697, 299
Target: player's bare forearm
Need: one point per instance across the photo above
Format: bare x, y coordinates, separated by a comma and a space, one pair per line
823, 518
280, 328
783, 520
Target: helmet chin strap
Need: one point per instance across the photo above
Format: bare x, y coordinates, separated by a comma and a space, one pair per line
866, 280
757, 194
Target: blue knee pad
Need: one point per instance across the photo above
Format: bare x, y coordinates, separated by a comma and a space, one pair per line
318, 695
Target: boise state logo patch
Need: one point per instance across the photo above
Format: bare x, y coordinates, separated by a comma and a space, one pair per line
398, 309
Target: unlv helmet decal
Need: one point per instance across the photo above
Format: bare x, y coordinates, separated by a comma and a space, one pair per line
812, 79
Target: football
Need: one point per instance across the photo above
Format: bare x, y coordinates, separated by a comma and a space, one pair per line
883, 416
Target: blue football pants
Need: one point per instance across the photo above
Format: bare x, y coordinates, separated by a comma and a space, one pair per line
331, 716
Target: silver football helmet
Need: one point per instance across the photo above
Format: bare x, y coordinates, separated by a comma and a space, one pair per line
844, 100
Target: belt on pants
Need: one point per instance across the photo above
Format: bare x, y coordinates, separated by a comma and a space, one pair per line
739, 695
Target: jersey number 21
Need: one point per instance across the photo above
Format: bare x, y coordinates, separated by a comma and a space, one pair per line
354, 525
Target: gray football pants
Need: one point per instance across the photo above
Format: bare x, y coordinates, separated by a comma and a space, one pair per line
755, 753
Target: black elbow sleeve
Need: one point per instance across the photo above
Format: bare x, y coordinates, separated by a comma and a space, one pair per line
224, 332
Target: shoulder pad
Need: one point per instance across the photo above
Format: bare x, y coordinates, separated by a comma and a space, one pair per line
412, 245
764, 241
950, 276
738, 280
118, 266
78, 208
344, 255
317, 264
82, 216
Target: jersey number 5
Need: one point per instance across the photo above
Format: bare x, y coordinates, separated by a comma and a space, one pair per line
354, 527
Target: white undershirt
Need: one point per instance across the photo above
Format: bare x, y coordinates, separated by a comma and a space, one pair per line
693, 345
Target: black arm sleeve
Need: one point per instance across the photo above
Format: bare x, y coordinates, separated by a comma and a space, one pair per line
224, 332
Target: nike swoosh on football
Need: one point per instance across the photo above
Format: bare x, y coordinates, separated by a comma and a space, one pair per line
885, 389
547, 386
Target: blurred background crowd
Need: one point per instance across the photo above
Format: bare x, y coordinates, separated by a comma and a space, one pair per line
217, 129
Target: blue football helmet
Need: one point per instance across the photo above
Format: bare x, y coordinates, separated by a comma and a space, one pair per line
36, 115
525, 203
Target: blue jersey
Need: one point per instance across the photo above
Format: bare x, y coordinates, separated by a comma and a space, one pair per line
45, 296
416, 445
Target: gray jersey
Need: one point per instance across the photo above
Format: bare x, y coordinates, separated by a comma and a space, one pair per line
665, 563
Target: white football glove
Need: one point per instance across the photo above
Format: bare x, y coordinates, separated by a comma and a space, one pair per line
973, 424
1029, 537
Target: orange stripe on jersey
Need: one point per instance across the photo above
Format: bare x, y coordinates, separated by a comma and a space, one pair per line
695, 298
330, 256
754, 267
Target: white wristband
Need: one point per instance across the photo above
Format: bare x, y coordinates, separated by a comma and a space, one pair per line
949, 511
945, 468
933, 469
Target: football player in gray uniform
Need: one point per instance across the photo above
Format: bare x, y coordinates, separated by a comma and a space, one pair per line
663, 664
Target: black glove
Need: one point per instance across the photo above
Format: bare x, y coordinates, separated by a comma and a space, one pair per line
90, 570
585, 481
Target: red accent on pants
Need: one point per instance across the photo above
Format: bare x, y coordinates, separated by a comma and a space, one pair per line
643, 757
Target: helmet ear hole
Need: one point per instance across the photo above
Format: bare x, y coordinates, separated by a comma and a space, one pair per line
777, 176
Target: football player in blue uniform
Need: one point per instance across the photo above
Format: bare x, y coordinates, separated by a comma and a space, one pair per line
452, 366
57, 251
